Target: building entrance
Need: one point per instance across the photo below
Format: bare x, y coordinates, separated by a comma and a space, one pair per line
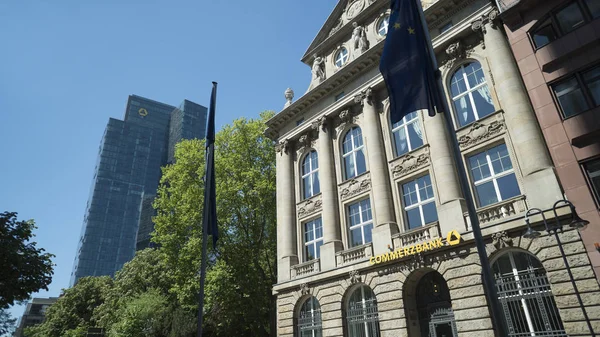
436, 318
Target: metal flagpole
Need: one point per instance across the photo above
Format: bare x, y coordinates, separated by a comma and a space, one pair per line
488, 280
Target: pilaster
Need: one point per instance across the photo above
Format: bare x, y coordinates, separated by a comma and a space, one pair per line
286, 229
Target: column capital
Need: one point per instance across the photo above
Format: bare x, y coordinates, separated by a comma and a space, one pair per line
365, 95
283, 146
320, 124
488, 18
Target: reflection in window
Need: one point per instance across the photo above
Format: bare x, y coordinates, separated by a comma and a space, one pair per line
353, 153
362, 315
579, 92
313, 239
493, 176
407, 134
341, 57
570, 18
593, 7
360, 222
544, 35
470, 93
565, 20
309, 319
310, 175
526, 297
592, 170
419, 202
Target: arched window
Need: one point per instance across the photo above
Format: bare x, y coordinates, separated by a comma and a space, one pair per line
470, 94
382, 25
525, 296
354, 156
362, 316
407, 134
310, 175
309, 319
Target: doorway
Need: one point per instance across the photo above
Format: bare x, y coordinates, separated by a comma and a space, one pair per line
434, 307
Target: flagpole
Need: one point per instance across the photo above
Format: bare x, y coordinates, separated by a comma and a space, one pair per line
207, 211
488, 280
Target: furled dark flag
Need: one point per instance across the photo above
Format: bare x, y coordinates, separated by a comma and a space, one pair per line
210, 193
406, 64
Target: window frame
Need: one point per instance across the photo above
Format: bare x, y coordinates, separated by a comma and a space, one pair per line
585, 90
420, 203
469, 92
344, 61
309, 175
554, 22
378, 29
405, 126
493, 176
352, 153
315, 315
595, 193
362, 224
314, 241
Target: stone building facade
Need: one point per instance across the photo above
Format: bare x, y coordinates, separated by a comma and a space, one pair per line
556, 45
373, 234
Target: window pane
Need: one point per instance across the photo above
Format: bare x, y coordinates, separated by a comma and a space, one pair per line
430, 212
368, 229
479, 166
361, 165
318, 228
594, 7
483, 101
414, 218
310, 252
349, 165
306, 185
570, 17
570, 97
508, 186
410, 193
544, 35
357, 133
592, 81
318, 248
464, 110
486, 194
400, 141
415, 134
457, 84
316, 186
356, 237
474, 73
309, 234
593, 172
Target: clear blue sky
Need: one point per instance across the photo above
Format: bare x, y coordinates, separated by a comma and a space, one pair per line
66, 66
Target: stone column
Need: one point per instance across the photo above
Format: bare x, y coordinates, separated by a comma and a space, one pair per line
332, 238
521, 122
452, 205
286, 213
382, 203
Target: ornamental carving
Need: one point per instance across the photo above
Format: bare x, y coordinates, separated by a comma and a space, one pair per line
319, 123
479, 132
457, 51
354, 276
479, 25
304, 289
335, 28
354, 9
308, 207
501, 240
355, 187
365, 94
410, 163
283, 146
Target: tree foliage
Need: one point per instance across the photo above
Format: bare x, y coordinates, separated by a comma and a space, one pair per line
24, 267
7, 322
238, 290
73, 312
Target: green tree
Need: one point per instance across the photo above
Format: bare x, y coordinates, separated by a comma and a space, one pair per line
7, 323
239, 283
73, 313
142, 316
25, 268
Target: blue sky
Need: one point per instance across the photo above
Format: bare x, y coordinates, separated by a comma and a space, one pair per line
66, 66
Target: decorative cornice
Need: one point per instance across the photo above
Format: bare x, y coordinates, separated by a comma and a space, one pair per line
481, 130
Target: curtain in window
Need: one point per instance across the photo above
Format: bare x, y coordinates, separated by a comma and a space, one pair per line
484, 91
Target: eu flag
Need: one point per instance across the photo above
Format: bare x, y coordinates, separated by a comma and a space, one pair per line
406, 64
210, 192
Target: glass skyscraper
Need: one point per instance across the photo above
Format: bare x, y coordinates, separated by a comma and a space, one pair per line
118, 218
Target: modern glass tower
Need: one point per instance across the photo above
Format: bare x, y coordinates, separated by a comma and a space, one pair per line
118, 218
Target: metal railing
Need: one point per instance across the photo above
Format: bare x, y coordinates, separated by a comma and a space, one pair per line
363, 319
309, 324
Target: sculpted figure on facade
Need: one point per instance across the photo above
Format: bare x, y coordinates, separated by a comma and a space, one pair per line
318, 69
289, 96
359, 37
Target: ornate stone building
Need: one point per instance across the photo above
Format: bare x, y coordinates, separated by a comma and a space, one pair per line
373, 234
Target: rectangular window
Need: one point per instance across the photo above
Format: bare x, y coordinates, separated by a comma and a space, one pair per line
579, 92
493, 176
419, 202
300, 121
446, 27
592, 171
339, 96
565, 20
313, 239
360, 222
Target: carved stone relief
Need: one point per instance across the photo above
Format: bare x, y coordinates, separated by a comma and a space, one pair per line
354, 276
456, 52
410, 163
319, 123
501, 240
481, 131
360, 97
354, 8
478, 25
335, 28
309, 206
304, 289
355, 186
283, 146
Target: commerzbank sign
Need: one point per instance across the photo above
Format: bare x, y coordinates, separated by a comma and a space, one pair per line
453, 238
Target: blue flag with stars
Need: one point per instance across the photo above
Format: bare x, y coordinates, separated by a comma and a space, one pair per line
406, 64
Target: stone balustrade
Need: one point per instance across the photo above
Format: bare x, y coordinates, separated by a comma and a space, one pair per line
354, 254
417, 235
498, 211
306, 268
